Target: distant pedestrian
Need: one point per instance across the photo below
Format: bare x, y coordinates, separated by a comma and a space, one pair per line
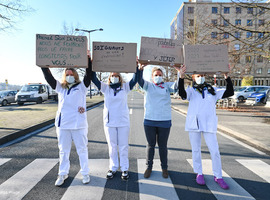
157, 118
116, 120
71, 119
201, 119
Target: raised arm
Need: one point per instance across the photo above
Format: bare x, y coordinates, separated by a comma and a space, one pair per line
181, 88
95, 80
140, 75
88, 73
229, 88
49, 77
134, 79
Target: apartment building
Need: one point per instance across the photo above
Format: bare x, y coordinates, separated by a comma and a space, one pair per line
207, 22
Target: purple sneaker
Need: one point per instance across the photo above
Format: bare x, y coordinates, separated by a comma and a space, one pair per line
221, 183
200, 179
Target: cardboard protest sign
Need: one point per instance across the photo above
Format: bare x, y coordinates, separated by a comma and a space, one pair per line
114, 57
206, 58
161, 51
61, 51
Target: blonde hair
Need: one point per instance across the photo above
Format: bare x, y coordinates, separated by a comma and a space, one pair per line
64, 83
156, 69
120, 78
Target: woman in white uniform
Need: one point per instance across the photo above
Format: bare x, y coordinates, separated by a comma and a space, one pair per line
201, 119
116, 120
71, 120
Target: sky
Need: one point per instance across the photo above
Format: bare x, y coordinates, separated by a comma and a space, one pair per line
122, 21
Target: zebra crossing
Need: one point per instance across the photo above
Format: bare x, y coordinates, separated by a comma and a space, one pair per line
156, 187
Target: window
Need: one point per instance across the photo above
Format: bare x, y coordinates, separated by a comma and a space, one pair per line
249, 34
238, 22
226, 22
259, 59
214, 22
190, 10
261, 22
226, 35
214, 10
268, 71
248, 59
237, 47
237, 34
249, 22
259, 70
260, 35
238, 10
260, 46
226, 10
191, 22
214, 35
261, 10
249, 10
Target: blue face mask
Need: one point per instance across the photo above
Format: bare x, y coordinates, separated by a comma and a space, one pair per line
114, 80
158, 79
70, 79
199, 80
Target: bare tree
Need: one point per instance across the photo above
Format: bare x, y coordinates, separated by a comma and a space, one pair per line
12, 11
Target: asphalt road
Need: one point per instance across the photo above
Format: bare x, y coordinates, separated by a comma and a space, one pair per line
28, 169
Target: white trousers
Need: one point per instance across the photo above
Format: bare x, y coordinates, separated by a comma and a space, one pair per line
212, 144
79, 137
118, 137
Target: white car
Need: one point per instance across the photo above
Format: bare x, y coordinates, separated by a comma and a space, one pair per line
93, 92
242, 93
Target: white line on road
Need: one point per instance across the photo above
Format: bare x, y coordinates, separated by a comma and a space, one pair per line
258, 167
94, 189
156, 187
4, 160
22, 182
235, 192
130, 111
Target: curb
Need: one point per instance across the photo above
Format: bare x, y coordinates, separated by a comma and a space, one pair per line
248, 140
23, 132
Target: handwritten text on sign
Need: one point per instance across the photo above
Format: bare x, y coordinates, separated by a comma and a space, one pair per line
160, 51
206, 58
114, 57
61, 51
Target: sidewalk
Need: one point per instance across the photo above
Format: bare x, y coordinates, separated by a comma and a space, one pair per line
251, 124
17, 121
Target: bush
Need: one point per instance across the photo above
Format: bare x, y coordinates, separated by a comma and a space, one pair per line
247, 81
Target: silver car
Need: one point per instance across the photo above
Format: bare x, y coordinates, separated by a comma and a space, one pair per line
7, 97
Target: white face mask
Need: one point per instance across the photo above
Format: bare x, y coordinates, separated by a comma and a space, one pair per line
114, 80
157, 79
199, 80
70, 79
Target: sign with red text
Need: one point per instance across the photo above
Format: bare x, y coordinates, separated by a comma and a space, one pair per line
61, 51
206, 58
114, 57
161, 51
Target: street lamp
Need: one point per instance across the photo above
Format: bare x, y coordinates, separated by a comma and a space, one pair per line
89, 31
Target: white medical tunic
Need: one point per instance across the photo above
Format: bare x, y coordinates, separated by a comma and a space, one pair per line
69, 100
115, 112
201, 115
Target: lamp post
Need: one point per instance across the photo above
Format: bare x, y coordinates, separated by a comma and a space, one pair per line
89, 45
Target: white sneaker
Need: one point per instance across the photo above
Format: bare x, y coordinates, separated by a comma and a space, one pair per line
86, 179
60, 180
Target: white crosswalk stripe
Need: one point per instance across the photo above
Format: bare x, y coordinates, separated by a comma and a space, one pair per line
235, 192
155, 187
258, 167
22, 182
93, 190
130, 111
4, 160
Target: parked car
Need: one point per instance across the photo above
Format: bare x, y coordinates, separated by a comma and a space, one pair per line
242, 93
258, 97
93, 92
35, 92
7, 97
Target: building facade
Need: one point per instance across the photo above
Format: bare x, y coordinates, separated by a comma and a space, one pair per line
238, 26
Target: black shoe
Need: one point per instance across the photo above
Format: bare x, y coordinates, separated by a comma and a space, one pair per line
110, 174
125, 175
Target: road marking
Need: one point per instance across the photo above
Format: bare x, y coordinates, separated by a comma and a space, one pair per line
130, 111
94, 189
4, 160
235, 192
155, 187
22, 182
259, 167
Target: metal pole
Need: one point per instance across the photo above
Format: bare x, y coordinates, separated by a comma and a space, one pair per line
90, 58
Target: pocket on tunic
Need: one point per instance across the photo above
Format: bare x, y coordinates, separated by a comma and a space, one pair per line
192, 123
